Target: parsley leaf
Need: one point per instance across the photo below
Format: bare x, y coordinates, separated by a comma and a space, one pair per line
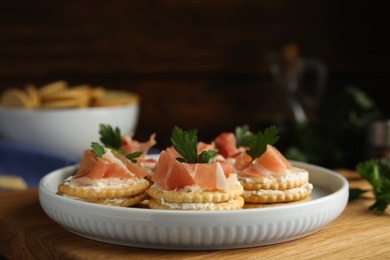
355, 194
377, 173
97, 149
109, 137
186, 144
207, 156
241, 134
258, 143
132, 156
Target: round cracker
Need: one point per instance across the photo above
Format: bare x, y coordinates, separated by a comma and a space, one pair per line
236, 203
277, 196
122, 202
15, 98
52, 87
97, 92
11, 182
88, 192
296, 177
276, 185
71, 93
266, 205
116, 98
33, 96
64, 103
182, 196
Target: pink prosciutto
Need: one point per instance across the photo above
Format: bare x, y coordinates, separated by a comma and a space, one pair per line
129, 145
271, 163
226, 144
111, 165
171, 174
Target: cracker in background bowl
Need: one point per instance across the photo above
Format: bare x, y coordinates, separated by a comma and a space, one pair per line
15, 98
60, 95
115, 98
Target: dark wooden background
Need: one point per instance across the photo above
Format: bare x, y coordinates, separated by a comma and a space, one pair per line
195, 64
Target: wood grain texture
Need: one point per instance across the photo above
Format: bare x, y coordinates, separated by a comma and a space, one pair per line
26, 232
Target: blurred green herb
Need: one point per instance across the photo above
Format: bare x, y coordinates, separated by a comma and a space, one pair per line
377, 173
241, 133
335, 135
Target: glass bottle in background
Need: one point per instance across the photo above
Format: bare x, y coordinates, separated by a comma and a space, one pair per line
301, 83
302, 80
379, 139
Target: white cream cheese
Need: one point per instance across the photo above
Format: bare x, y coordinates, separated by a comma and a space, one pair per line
208, 205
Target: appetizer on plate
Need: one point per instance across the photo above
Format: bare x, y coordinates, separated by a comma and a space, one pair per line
189, 178
267, 176
109, 175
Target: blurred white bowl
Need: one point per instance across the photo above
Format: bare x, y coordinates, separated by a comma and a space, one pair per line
64, 132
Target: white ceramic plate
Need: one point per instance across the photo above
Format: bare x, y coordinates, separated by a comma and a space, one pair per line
197, 230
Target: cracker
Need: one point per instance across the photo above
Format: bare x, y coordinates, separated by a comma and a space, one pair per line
143, 204
267, 205
294, 178
286, 185
88, 192
65, 103
97, 92
122, 202
33, 96
70, 93
236, 203
11, 182
182, 196
276, 196
59, 94
115, 98
15, 98
52, 87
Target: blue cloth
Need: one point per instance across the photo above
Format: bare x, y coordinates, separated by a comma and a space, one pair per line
28, 162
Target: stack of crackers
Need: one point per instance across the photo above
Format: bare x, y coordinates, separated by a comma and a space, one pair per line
266, 192
189, 200
60, 94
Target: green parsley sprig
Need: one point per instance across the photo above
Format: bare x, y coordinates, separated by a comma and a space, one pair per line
186, 144
377, 173
257, 143
111, 138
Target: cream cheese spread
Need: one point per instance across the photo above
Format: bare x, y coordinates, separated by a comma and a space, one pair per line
208, 205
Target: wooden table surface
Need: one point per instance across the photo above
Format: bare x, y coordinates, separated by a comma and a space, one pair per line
26, 232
